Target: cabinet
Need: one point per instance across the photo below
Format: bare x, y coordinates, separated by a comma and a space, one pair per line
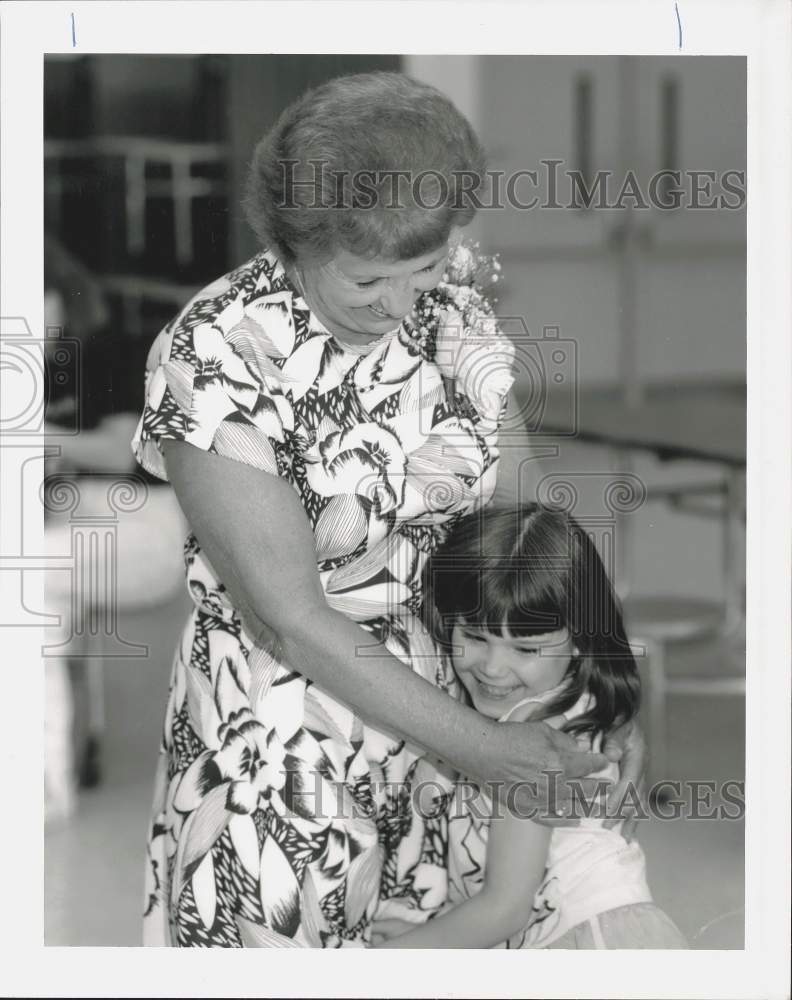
641, 295
644, 292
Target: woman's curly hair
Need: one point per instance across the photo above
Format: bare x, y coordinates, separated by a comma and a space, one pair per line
377, 164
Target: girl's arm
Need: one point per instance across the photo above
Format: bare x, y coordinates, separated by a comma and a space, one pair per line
516, 858
256, 535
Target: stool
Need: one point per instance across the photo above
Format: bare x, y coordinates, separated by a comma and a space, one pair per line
651, 624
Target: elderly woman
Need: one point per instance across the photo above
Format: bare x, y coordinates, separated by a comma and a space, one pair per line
319, 444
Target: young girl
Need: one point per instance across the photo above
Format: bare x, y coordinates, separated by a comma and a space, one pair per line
522, 602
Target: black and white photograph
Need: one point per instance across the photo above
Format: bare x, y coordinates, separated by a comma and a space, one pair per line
397, 464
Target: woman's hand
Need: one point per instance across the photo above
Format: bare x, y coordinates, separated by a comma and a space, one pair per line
478, 363
538, 772
626, 799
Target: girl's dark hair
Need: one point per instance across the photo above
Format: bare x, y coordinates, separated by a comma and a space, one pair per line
361, 129
535, 570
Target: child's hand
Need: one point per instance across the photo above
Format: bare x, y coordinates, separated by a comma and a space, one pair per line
387, 929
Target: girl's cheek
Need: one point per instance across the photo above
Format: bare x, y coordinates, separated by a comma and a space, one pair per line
461, 659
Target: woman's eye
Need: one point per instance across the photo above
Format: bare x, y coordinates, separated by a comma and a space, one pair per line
367, 284
529, 651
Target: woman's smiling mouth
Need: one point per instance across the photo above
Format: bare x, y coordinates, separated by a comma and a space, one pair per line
381, 313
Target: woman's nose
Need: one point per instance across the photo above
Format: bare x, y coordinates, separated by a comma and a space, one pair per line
398, 298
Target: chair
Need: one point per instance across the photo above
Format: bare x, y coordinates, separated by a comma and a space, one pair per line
652, 623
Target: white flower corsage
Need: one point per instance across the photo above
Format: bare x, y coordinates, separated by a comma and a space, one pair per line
474, 357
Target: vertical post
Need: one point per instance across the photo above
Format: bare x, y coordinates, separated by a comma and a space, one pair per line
182, 209
632, 389
135, 193
733, 563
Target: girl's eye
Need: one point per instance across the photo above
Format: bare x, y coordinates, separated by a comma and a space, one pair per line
528, 652
367, 284
474, 637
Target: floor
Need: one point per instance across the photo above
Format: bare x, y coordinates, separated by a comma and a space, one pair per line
93, 873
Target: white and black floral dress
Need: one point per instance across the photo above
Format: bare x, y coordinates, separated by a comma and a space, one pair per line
279, 818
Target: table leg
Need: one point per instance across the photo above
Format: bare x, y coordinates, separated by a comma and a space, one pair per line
733, 557
623, 570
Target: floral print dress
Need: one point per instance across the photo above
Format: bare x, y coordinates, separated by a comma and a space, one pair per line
280, 819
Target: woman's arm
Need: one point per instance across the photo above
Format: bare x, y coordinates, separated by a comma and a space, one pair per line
256, 535
516, 859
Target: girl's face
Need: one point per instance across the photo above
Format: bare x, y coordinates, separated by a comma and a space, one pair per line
498, 671
359, 298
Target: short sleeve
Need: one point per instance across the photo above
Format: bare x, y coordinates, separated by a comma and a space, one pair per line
209, 382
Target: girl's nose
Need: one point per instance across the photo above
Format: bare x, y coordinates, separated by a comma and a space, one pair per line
493, 665
398, 298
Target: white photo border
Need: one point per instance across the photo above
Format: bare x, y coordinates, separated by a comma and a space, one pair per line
759, 30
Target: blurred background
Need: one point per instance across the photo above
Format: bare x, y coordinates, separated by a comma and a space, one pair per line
632, 370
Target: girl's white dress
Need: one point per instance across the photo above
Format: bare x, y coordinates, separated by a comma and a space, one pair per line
590, 871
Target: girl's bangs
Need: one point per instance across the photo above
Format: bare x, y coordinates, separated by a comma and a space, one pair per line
524, 606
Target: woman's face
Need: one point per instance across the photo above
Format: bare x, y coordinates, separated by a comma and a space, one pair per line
358, 298
500, 670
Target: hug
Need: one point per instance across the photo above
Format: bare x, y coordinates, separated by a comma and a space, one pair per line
378, 601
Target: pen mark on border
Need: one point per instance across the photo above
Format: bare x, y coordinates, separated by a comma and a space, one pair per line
679, 23
74, 33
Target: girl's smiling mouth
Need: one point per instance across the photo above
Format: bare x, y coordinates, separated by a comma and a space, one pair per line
496, 690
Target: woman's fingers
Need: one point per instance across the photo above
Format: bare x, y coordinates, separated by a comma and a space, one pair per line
577, 763
632, 766
627, 799
568, 787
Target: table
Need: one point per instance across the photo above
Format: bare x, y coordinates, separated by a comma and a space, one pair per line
702, 420
674, 420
